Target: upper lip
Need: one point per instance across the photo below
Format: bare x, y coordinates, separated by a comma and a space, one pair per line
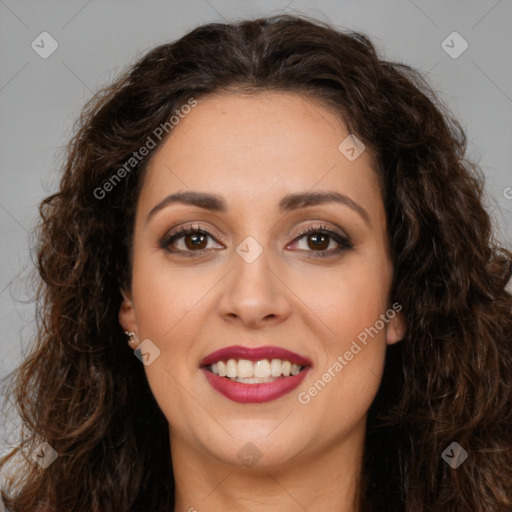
255, 354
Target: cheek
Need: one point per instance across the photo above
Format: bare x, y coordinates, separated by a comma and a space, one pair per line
166, 301
167, 308
349, 299
165, 294
352, 354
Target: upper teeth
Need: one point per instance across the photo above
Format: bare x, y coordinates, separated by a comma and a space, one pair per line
244, 368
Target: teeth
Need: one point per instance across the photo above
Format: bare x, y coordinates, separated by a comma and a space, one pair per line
256, 372
262, 369
221, 367
245, 369
275, 367
255, 380
231, 368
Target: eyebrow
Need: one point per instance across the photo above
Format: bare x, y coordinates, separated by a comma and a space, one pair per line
288, 203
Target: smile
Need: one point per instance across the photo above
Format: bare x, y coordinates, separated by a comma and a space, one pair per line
254, 375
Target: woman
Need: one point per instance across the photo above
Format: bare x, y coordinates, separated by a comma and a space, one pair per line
285, 230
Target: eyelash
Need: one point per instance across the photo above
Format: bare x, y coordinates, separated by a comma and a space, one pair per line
344, 242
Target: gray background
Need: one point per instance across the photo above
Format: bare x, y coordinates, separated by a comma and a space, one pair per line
40, 98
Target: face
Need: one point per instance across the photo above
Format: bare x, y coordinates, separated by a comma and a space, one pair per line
257, 266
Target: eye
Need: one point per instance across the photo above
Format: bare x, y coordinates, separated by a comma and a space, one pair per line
191, 239
319, 239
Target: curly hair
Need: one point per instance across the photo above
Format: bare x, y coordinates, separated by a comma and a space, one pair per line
450, 379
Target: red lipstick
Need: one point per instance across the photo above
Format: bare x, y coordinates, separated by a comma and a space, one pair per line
260, 392
254, 354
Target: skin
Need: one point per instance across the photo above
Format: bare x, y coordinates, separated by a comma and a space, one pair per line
252, 150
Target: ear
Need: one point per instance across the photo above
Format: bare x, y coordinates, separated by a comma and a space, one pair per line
396, 329
127, 318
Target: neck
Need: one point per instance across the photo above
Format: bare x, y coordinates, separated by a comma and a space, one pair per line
327, 478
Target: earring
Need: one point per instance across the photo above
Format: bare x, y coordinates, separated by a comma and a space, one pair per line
132, 339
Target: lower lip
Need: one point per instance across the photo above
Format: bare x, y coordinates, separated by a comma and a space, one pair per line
255, 393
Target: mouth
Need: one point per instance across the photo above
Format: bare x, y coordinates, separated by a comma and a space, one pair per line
257, 372
254, 375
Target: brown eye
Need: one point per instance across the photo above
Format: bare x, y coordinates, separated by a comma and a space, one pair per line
191, 240
187, 240
195, 241
318, 241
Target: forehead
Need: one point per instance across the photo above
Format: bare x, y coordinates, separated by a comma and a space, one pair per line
255, 148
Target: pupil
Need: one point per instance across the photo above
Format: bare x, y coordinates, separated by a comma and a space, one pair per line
318, 241
197, 239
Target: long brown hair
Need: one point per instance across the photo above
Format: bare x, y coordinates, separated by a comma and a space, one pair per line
449, 380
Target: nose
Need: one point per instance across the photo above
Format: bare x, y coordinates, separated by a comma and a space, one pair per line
254, 295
